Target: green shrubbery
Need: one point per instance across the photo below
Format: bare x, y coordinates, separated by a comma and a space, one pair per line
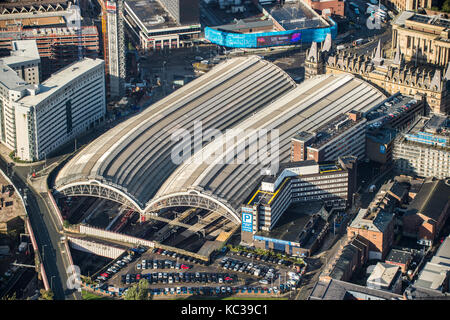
265, 252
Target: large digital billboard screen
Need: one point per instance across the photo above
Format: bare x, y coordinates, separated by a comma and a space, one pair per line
279, 40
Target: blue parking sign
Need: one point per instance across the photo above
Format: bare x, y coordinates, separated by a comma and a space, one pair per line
247, 222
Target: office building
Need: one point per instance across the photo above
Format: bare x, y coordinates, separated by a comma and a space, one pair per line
183, 11
40, 118
424, 150
25, 60
264, 216
12, 88
342, 135
150, 25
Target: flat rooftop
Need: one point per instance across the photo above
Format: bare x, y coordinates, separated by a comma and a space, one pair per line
151, 14
333, 128
247, 24
219, 17
295, 16
426, 133
431, 20
10, 79
58, 80
389, 109
341, 290
293, 222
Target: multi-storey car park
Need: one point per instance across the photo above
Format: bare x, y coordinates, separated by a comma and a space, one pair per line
132, 163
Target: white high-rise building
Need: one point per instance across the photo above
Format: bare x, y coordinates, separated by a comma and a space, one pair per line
36, 119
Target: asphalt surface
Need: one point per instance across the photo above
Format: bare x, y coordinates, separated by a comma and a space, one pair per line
46, 234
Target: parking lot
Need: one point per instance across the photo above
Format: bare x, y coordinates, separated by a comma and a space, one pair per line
170, 273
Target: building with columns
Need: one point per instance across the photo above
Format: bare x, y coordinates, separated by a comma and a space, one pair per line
154, 27
422, 38
401, 5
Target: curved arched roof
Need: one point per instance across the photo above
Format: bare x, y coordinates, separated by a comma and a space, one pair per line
135, 156
242, 93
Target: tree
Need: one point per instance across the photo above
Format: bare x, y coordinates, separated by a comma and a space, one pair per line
446, 6
138, 291
46, 294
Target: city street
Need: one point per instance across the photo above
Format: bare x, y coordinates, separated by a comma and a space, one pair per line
46, 232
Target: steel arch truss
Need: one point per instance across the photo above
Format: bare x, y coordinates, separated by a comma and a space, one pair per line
98, 191
192, 200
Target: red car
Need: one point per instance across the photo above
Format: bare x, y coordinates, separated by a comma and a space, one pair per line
183, 266
106, 275
138, 276
228, 279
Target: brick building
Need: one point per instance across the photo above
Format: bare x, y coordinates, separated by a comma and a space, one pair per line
376, 223
335, 7
427, 213
399, 258
342, 135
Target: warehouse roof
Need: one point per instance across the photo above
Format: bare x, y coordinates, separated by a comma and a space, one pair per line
243, 93
339, 290
431, 199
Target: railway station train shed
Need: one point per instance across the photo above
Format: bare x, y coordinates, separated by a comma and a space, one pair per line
133, 163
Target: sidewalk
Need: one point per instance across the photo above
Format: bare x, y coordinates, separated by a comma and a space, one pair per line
4, 152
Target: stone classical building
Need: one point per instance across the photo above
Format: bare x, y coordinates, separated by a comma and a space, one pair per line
401, 5
422, 38
390, 75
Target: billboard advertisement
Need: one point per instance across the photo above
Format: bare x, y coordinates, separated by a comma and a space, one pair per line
247, 222
279, 40
267, 39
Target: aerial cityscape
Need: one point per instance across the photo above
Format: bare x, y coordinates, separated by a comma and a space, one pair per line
225, 150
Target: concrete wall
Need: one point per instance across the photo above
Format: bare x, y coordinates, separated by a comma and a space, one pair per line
96, 248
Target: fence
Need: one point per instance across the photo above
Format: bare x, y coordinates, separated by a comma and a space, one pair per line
36, 251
